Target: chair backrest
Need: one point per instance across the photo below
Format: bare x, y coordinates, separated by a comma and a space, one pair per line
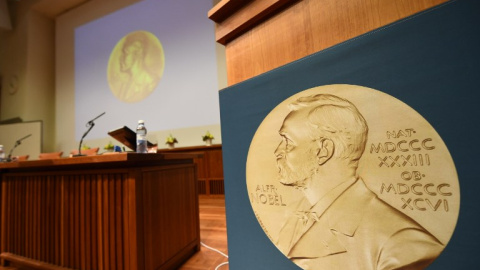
21, 158
86, 152
52, 155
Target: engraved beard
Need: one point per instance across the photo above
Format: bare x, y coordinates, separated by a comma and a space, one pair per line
296, 176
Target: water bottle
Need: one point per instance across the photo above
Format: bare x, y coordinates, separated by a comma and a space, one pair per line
141, 137
2, 153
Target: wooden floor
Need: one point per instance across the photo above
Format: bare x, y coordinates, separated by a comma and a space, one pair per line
213, 233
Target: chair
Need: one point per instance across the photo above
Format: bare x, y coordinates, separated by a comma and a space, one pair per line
86, 152
20, 158
52, 155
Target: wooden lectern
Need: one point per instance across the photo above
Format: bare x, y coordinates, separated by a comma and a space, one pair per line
262, 35
259, 37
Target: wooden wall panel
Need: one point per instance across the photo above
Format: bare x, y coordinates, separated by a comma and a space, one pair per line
209, 167
214, 164
305, 27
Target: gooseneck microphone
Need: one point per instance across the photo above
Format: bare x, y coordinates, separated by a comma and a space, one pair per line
90, 125
17, 143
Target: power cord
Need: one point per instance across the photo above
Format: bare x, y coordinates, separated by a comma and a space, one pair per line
220, 265
218, 251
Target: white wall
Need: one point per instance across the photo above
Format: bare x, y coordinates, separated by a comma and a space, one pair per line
27, 53
40, 52
64, 83
29, 136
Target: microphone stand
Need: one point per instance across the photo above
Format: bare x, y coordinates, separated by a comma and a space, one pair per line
90, 125
17, 143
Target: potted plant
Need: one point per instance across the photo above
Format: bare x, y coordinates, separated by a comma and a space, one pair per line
207, 138
171, 141
109, 147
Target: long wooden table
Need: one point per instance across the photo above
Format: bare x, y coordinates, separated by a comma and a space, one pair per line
122, 211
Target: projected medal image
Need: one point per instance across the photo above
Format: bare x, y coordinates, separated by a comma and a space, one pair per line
135, 66
348, 177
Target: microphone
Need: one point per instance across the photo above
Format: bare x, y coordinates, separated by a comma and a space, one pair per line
90, 125
91, 121
17, 143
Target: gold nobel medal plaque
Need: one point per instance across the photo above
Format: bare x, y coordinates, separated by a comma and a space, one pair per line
348, 177
135, 66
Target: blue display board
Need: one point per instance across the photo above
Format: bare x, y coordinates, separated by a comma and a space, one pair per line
430, 61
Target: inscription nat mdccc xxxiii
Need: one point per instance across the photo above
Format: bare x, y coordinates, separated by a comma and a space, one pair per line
348, 177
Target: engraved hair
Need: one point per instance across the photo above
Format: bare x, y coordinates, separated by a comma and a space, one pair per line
336, 119
135, 43
138, 44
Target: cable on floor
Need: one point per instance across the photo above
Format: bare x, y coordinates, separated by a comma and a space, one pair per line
220, 265
218, 251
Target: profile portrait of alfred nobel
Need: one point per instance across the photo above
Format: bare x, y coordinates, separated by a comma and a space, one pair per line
339, 223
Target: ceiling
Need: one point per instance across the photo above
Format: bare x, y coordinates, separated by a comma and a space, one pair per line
54, 8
